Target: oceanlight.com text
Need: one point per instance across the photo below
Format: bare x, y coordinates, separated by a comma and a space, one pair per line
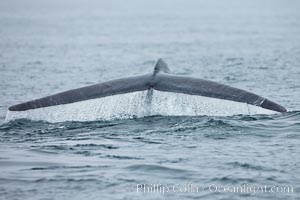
213, 188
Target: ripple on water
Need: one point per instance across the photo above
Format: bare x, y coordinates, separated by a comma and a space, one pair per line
168, 150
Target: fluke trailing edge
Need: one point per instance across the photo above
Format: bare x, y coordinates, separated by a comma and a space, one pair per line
158, 93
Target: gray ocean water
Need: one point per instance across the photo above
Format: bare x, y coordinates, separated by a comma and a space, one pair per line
52, 46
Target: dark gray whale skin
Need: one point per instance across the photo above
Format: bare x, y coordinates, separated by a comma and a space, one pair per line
160, 80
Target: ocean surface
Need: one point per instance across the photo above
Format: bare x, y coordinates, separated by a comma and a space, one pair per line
52, 46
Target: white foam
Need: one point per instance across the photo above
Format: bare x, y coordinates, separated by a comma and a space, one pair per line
137, 104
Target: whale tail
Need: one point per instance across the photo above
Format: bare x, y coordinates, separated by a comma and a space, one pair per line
158, 88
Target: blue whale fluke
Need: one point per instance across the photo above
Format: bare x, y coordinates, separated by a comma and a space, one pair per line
161, 81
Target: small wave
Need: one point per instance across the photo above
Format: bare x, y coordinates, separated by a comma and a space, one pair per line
148, 168
217, 123
84, 167
232, 180
83, 149
96, 146
65, 179
250, 166
123, 157
21, 124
